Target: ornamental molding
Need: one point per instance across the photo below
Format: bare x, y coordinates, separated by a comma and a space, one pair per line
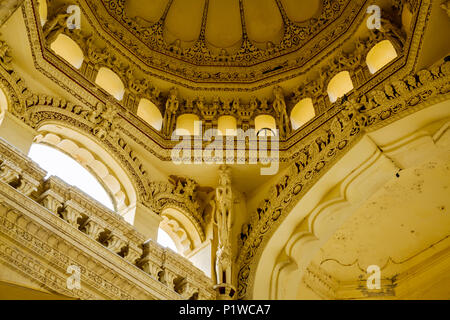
137, 88
58, 226
321, 151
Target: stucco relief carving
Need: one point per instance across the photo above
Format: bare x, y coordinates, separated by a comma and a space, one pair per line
326, 146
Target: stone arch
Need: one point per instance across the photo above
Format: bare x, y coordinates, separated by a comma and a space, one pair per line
380, 55
109, 81
68, 49
96, 159
302, 113
150, 113
339, 85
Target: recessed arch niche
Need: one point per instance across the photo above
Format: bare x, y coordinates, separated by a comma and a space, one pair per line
110, 82
302, 113
227, 125
68, 49
150, 113
265, 125
339, 85
188, 125
380, 55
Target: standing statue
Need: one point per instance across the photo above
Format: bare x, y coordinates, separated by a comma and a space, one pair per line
172, 105
223, 218
279, 105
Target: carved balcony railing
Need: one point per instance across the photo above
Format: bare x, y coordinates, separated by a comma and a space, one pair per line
69, 225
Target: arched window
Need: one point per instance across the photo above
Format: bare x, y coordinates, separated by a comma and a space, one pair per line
42, 11
380, 55
110, 82
339, 85
58, 164
188, 125
3, 105
302, 113
68, 50
265, 125
96, 160
227, 125
150, 113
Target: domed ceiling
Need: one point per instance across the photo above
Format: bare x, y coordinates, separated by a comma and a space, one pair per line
232, 41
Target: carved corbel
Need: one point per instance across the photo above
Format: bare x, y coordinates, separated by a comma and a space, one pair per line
9, 172
151, 267
28, 185
93, 229
71, 213
188, 291
52, 201
115, 243
134, 253
169, 278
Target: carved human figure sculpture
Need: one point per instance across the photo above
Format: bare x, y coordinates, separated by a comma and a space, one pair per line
223, 218
279, 105
172, 105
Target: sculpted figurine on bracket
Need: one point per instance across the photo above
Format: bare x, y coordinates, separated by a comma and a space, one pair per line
279, 105
223, 218
172, 105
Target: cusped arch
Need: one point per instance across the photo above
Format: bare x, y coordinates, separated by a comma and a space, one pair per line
96, 159
179, 226
110, 82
